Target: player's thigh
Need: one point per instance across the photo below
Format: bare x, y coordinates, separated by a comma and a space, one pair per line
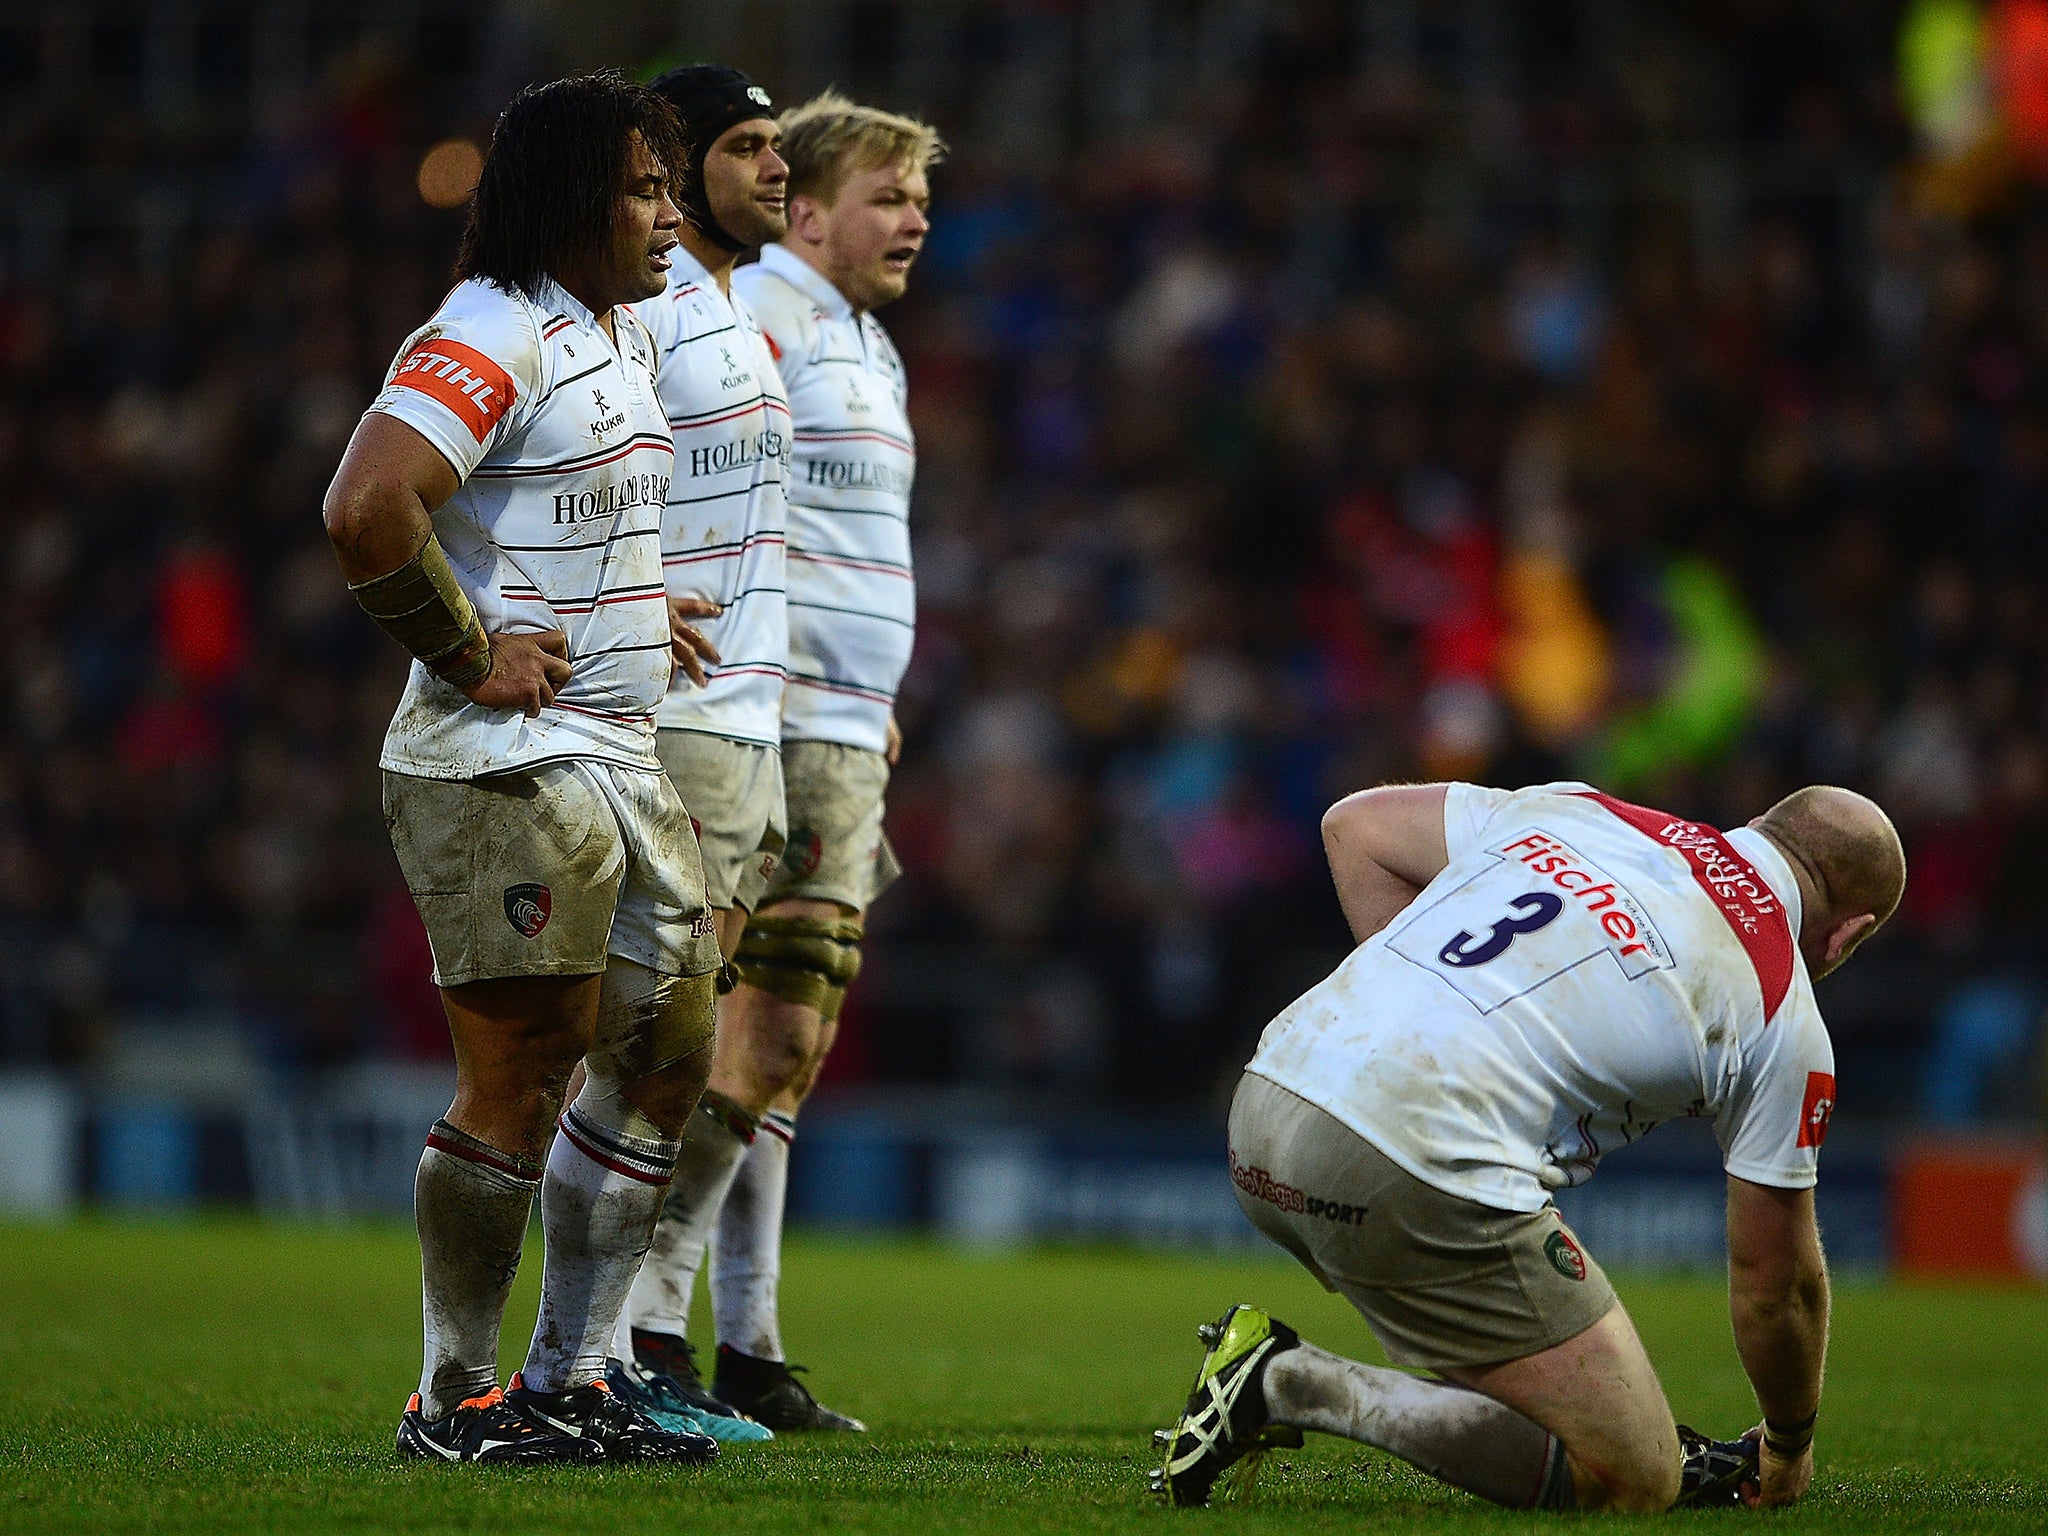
1442, 1281
662, 920
515, 875
733, 793
836, 850
1599, 1394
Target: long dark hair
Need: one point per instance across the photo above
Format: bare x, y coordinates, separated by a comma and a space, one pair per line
550, 182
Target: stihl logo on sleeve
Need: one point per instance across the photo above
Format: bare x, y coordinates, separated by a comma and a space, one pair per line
461, 378
1818, 1109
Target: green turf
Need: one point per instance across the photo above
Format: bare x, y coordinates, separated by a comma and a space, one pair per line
224, 1376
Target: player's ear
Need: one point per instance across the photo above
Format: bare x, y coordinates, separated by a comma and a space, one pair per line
807, 219
1844, 937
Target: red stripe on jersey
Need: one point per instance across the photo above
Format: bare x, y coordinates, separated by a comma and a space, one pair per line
1741, 895
603, 714
475, 389
879, 568
773, 350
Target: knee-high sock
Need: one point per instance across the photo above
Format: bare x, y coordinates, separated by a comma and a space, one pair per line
472, 1203
598, 1203
746, 1263
1465, 1438
713, 1146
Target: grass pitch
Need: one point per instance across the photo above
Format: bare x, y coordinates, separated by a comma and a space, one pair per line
226, 1376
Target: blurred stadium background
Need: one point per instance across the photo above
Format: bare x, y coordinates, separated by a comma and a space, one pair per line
1307, 394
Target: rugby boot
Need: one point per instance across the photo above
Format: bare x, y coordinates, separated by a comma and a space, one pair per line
620, 1431
673, 1356
663, 1400
768, 1392
487, 1429
1225, 1423
1713, 1472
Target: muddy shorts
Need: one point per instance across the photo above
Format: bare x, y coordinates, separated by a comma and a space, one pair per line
836, 850
733, 791
1440, 1280
548, 870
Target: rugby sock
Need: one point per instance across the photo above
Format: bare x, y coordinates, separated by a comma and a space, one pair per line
472, 1203
598, 1205
714, 1142
1463, 1437
746, 1263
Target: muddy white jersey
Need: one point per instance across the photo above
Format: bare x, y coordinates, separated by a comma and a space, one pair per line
1581, 970
723, 530
557, 437
852, 602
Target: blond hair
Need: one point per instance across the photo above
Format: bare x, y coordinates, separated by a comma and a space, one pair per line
831, 137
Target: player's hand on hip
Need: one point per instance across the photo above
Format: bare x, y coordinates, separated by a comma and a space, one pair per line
1783, 1478
893, 747
686, 642
525, 672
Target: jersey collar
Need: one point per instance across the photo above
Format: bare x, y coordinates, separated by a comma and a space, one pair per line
1776, 869
807, 280
553, 296
685, 269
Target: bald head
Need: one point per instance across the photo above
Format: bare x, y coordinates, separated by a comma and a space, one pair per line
1852, 867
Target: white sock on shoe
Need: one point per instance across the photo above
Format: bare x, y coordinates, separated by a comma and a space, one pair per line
746, 1265
713, 1145
1463, 1437
472, 1203
598, 1201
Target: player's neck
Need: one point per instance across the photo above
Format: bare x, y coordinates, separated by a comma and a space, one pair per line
716, 259
579, 287
813, 256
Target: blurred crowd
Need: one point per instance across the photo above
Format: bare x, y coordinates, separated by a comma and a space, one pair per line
1645, 420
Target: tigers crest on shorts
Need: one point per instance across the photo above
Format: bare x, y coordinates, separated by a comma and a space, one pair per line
527, 907
1564, 1255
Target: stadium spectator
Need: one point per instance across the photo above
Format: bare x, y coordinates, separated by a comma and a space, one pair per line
1343, 423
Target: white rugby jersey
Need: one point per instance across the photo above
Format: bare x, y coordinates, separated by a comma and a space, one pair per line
852, 603
1581, 970
558, 438
723, 531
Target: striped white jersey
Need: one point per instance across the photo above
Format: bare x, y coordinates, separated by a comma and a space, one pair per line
1581, 970
564, 458
852, 603
723, 531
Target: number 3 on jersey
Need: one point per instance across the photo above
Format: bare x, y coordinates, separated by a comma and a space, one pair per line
1536, 910
1492, 938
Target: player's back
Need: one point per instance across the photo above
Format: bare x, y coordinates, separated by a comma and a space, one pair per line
1581, 970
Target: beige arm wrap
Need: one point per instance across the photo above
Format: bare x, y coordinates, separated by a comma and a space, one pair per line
421, 607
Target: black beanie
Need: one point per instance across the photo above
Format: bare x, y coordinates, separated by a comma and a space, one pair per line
710, 98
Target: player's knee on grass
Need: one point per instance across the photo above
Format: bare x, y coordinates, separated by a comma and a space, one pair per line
651, 1054
1649, 1486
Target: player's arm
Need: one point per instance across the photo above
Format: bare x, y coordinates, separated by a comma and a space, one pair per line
1384, 845
379, 517
1778, 1302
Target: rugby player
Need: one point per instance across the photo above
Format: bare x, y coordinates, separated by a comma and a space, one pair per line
498, 511
719, 737
858, 196
1542, 976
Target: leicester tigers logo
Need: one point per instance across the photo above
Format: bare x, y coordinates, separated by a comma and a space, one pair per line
527, 907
